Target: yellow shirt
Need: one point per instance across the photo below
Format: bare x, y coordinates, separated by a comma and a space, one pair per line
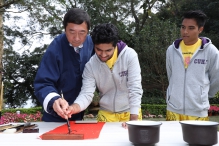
188, 51
112, 61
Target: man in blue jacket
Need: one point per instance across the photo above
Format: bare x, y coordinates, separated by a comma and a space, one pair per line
192, 64
116, 72
61, 68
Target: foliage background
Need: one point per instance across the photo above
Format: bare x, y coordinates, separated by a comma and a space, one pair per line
149, 33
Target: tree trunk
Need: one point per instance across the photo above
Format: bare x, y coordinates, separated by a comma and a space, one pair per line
1, 52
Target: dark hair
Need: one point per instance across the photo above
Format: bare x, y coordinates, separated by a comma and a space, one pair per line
198, 15
105, 33
77, 16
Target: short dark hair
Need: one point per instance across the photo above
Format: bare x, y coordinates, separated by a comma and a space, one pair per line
77, 16
198, 15
105, 33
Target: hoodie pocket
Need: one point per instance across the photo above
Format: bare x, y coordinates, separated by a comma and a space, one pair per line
198, 97
174, 99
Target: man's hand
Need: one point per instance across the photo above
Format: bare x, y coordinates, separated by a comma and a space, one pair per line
124, 125
73, 109
132, 118
60, 106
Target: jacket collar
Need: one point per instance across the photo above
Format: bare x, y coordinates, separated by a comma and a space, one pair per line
204, 41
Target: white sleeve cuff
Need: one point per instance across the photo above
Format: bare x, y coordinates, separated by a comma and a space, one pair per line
134, 110
47, 99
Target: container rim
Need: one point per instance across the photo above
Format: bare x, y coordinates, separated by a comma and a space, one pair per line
144, 123
199, 123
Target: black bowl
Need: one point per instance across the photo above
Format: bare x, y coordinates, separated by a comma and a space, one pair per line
144, 132
200, 132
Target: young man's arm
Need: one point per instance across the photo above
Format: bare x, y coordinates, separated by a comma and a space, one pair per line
214, 72
87, 92
168, 63
134, 86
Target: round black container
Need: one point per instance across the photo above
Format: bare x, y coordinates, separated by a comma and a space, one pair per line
144, 132
200, 132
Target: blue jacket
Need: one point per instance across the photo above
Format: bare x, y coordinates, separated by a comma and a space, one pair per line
61, 68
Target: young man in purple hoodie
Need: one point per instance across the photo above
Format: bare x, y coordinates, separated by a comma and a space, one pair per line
192, 64
115, 71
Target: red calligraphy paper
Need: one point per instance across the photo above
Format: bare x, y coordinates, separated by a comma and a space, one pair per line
90, 131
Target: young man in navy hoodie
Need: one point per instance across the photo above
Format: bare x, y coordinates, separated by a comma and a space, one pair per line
192, 64
116, 73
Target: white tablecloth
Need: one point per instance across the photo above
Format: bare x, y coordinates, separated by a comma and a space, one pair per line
112, 134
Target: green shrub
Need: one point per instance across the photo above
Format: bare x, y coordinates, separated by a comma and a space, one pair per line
214, 100
153, 109
23, 110
153, 100
217, 95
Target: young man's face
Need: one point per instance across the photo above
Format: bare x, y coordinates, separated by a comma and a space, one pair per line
190, 31
76, 33
104, 51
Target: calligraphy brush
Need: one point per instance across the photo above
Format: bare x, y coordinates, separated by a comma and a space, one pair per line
69, 128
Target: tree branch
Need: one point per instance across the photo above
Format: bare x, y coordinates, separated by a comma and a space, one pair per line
148, 7
71, 3
135, 16
18, 11
9, 3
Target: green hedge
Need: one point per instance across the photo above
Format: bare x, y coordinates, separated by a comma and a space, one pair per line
146, 108
162, 101
23, 110
153, 100
153, 109
214, 100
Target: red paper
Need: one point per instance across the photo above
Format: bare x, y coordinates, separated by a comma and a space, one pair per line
90, 131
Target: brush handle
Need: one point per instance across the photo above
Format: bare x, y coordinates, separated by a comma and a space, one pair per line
69, 128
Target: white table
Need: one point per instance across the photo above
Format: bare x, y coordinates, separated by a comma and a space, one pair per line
112, 134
